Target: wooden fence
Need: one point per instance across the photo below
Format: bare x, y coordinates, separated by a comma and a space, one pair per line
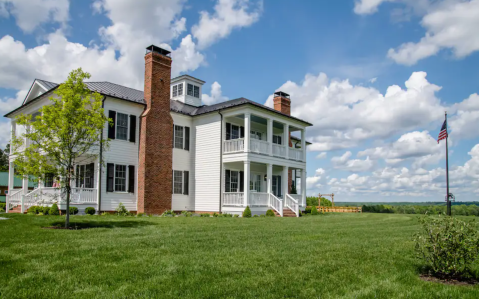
339, 209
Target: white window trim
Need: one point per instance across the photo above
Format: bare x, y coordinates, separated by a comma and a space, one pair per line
280, 136
184, 137
126, 178
182, 182
127, 126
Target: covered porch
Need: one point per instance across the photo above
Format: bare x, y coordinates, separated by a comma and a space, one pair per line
263, 186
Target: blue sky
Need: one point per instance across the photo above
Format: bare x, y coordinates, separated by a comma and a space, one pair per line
345, 64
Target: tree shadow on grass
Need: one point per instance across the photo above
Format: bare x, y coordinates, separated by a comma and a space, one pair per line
99, 224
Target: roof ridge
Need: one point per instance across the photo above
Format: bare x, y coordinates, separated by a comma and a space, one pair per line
114, 84
46, 81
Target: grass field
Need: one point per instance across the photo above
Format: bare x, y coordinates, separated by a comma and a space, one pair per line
332, 256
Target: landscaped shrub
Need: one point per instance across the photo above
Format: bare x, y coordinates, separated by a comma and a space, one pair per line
247, 212
46, 210
140, 214
73, 210
168, 213
270, 213
255, 216
32, 210
314, 211
262, 215
186, 213
226, 215
90, 211
121, 210
447, 246
3, 205
215, 214
205, 215
54, 210
236, 216
307, 210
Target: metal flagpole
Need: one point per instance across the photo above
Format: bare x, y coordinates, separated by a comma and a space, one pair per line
447, 173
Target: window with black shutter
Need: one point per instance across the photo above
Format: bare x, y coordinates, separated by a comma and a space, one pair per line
110, 174
186, 182
241, 181
111, 126
228, 131
132, 128
187, 138
131, 179
227, 180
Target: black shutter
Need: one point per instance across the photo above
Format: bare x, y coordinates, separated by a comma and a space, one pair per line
91, 175
111, 129
227, 180
78, 177
278, 182
241, 181
186, 181
110, 174
241, 132
173, 143
187, 138
132, 128
228, 131
131, 179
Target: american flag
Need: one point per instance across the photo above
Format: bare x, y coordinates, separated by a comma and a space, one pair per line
443, 133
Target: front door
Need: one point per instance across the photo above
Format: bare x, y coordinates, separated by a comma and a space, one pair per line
276, 186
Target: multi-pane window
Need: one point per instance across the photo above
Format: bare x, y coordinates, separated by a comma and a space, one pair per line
180, 89
196, 93
256, 135
175, 90
48, 180
177, 182
121, 126
277, 139
255, 183
234, 131
234, 180
179, 137
120, 178
189, 90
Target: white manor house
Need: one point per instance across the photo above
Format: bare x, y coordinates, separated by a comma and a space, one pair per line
169, 151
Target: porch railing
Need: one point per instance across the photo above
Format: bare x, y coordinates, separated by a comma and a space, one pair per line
279, 150
276, 204
13, 199
84, 195
295, 154
258, 199
232, 146
259, 146
234, 199
292, 204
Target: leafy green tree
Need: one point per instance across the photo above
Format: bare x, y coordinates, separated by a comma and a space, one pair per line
66, 132
4, 158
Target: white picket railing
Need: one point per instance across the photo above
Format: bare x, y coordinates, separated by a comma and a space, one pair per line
295, 154
279, 150
276, 204
235, 199
292, 204
259, 146
258, 199
83, 195
13, 199
233, 146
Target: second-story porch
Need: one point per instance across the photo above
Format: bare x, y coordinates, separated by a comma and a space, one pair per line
255, 132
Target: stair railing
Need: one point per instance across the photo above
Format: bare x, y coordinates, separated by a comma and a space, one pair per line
276, 204
292, 204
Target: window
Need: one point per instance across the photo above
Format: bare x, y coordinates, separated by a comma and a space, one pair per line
175, 90
276, 185
121, 126
196, 93
190, 89
256, 135
177, 182
84, 176
234, 181
178, 137
180, 89
234, 131
255, 183
277, 139
120, 178
48, 180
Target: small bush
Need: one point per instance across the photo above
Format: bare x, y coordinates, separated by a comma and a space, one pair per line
215, 214
140, 214
186, 213
32, 210
168, 213
205, 215
73, 210
247, 212
3, 205
314, 211
307, 210
226, 215
447, 246
54, 210
270, 213
255, 216
121, 210
236, 216
46, 210
262, 215
90, 211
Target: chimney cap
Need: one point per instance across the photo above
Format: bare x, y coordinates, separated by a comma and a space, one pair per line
158, 50
281, 94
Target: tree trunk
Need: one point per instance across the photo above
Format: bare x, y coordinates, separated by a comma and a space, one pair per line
68, 190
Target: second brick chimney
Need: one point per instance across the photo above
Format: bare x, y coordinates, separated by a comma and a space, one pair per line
156, 132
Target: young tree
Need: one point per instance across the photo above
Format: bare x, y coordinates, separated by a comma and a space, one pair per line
65, 132
4, 158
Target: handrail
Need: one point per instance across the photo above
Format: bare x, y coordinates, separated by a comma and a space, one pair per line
13, 199
292, 203
276, 204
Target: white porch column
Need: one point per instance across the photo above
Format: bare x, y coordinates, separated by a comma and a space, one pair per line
286, 138
284, 185
12, 134
303, 187
269, 176
11, 177
98, 185
247, 131
269, 135
246, 182
25, 185
303, 143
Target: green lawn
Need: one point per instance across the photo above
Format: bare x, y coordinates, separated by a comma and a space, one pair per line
332, 256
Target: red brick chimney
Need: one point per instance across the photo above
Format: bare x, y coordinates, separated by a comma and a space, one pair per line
156, 132
282, 103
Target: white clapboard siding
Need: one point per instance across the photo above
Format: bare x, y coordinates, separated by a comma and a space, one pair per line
207, 166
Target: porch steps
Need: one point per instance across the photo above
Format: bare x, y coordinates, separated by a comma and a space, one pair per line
286, 213
17, 209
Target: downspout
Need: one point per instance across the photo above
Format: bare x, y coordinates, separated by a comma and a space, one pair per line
221, 157
100, 162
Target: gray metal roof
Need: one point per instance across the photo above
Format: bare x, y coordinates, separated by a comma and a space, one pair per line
47, 84
117, 91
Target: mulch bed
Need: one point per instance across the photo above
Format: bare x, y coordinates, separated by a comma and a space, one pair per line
450, 281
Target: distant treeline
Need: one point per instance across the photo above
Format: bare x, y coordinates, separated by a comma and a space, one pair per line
426, 203
463, 209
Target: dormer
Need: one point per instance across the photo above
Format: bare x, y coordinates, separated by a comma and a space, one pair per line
187, 89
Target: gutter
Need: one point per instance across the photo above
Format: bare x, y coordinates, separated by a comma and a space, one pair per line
100, 158
221, 157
